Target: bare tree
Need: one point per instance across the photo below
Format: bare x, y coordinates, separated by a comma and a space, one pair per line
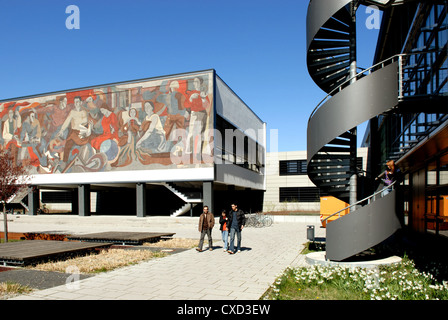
13, 179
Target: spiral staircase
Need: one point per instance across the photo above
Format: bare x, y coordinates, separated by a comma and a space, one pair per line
352, 99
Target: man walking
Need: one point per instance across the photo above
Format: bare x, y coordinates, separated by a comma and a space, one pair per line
237, 220
206, 223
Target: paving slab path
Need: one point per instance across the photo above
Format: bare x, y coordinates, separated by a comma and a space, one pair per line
207, 275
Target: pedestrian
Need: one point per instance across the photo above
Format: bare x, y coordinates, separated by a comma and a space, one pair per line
223, 221
237, 220
391, 175
206, 223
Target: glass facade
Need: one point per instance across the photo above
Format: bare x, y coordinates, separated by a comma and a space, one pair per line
424, 73
415, 136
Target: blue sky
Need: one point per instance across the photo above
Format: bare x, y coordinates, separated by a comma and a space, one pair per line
258, 47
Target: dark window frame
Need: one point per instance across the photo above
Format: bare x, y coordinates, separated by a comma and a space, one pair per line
292, 167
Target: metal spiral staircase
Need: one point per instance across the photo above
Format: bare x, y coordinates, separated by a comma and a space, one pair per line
352, 99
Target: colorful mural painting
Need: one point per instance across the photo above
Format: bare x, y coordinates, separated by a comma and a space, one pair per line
115, 127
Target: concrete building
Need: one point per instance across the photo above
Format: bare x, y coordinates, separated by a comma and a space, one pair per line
160, 146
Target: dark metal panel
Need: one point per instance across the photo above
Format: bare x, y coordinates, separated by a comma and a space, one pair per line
362, 229
319, 12
359, 102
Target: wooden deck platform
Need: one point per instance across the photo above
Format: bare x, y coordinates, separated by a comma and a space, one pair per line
125, 238
29, 251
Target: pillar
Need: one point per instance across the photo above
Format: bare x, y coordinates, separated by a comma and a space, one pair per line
84, 200
74, 200
33, 201
141, 199
207, 196
353, 72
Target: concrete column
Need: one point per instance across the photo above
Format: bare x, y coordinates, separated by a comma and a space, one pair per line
84, 200
33, 201
208, 196
141, 199
353, 72
74, 200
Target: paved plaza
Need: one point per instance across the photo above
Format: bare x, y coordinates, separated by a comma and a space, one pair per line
207, 275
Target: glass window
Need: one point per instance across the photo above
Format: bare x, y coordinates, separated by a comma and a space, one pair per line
431, 174
292, 167
299, 194
443, 171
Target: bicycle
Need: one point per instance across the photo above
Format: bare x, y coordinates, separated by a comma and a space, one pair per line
43, 209
268, 221
258, 220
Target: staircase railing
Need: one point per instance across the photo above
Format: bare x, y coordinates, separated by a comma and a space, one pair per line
331, 138
368, 199
401, 58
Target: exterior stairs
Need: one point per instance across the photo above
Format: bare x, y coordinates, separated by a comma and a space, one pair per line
191, 202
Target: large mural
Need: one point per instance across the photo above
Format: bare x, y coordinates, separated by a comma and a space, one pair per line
152, 124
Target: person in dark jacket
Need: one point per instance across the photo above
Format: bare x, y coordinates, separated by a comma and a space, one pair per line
236, 223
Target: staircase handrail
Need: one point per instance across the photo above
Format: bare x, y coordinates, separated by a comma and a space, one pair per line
339, 88
360, 201
399, 58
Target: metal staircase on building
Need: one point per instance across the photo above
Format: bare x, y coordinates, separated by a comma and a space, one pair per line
191, 201
19, 197
352, 99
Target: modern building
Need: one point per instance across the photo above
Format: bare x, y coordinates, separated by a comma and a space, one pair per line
403, 96
157, 146
288, 187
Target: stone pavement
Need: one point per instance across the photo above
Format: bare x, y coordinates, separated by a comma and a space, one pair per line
207, 275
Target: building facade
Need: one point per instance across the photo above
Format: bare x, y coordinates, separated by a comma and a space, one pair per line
416, 134
153, 146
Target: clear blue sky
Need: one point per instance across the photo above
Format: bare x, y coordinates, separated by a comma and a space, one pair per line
258, 47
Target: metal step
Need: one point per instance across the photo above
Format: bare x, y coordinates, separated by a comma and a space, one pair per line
326, 44
332, 163
329, 61
334, 80
332, 177
331, 34
318, 54
330, 70
335, 149
339, 141
343, 170
337, 25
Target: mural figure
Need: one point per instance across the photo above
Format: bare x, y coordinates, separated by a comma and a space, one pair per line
109, 125
130, 134
30, 140
10, 132
153, 139
78, 126
174, 101
56, 118
199, 104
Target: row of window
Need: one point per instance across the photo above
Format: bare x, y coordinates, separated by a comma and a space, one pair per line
236, 147
300, 194
299, 167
